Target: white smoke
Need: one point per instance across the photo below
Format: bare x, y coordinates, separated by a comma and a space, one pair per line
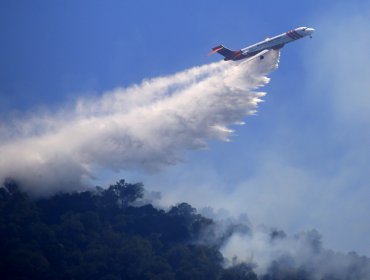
273, 252
146, 126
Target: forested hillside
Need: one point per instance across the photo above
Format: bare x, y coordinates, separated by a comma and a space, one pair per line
98, 235
112, 234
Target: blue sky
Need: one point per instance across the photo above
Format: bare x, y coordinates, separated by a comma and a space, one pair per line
300, 163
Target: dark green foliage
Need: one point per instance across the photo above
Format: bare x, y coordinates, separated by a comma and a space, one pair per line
123, 193
239, 272
99, 235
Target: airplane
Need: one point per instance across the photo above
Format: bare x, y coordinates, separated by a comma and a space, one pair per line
260, 48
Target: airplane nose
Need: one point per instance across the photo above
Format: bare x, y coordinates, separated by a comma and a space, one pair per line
310, 30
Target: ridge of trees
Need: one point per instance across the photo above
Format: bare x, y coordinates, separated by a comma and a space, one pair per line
101, 235
107, 234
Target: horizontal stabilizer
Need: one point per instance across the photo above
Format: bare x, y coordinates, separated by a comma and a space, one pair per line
228, 54
216, 49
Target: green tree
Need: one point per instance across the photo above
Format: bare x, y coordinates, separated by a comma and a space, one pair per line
125, 193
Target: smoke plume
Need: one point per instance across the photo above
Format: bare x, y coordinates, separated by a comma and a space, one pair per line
273, 254
146, 126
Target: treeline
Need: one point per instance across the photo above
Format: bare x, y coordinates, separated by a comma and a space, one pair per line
113, 234
100, 235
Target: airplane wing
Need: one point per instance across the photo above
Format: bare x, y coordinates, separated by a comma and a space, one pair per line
260, 54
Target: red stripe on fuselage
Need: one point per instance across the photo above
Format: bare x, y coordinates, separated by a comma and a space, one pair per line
237, 53
297, 34
293, 34
289, 34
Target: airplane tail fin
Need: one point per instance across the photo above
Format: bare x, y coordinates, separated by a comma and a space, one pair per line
228, 54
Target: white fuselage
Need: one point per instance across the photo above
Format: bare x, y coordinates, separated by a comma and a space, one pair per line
278, 41
259, 49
